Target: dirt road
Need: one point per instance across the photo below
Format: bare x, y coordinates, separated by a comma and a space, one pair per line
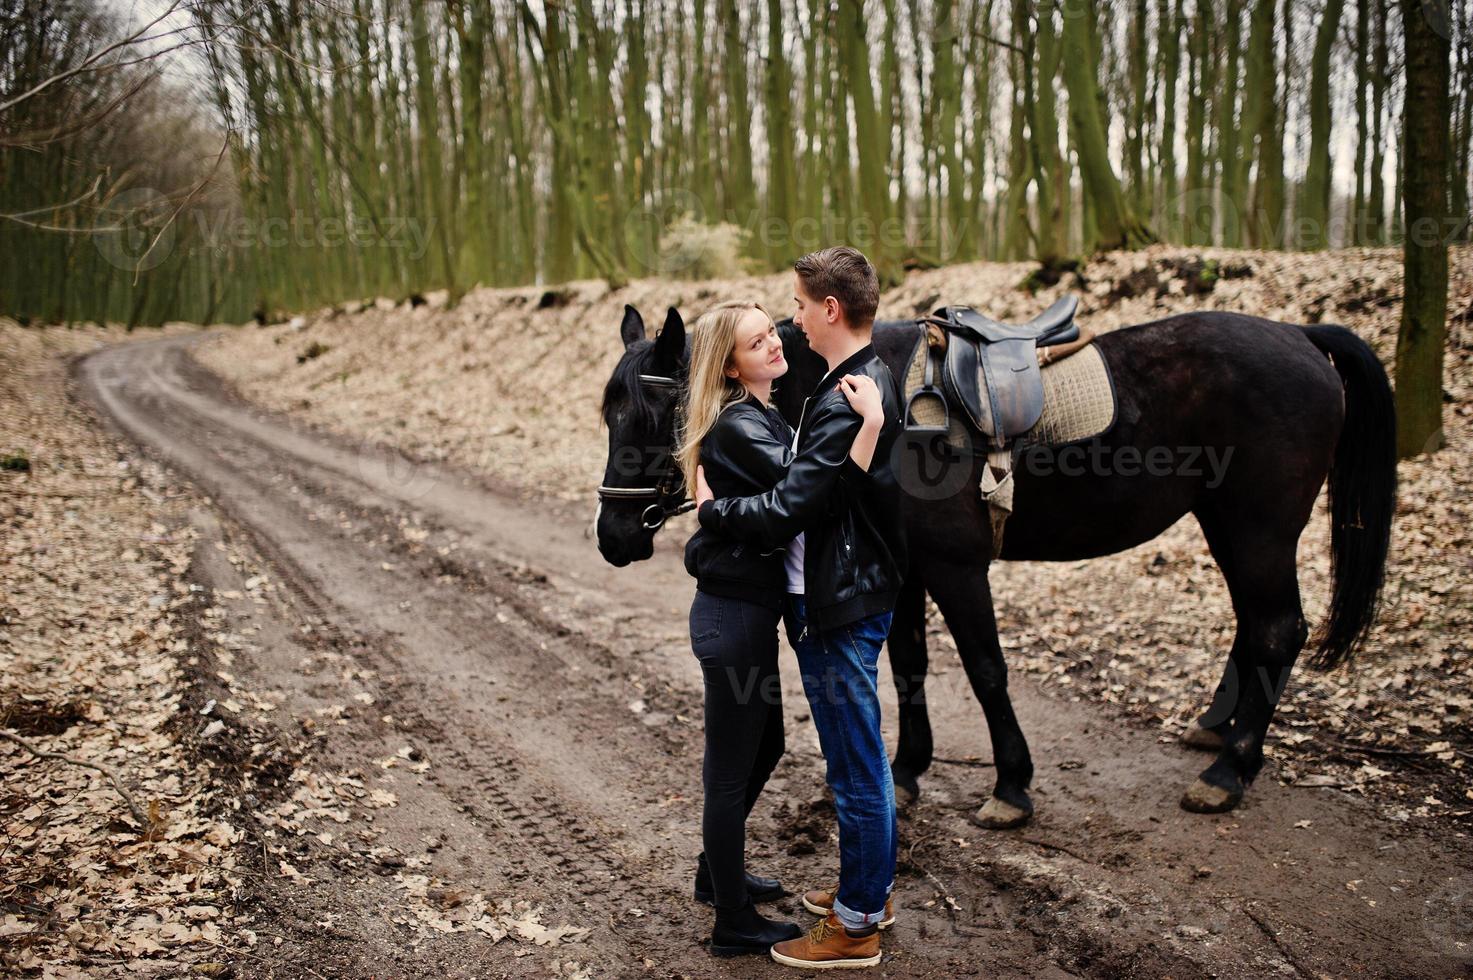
553, 707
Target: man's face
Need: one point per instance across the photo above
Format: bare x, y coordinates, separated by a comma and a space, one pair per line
811, 315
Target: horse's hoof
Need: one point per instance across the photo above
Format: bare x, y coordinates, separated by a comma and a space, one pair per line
1203, 797
997, 814
907, 787
1203, 739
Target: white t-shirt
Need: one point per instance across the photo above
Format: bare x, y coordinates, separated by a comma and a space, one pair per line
793, 562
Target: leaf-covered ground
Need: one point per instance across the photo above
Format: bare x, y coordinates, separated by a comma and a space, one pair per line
508, 384
114, 654
92, 659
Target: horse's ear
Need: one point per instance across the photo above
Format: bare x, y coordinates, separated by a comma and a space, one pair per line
670, 344
632, 328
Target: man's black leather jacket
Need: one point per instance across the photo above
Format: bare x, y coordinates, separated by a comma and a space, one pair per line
854, 549
747, 451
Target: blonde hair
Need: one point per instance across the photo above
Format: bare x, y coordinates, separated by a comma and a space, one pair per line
710, 391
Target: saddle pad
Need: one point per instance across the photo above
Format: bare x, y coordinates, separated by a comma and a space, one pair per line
1078, 401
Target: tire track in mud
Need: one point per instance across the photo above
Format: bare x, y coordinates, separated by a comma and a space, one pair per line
483, 772
499, 639
526, 795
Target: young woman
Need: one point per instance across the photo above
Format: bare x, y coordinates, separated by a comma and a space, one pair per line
743, 446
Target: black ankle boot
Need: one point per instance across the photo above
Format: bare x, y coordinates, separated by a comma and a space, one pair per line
758, 889
743, 932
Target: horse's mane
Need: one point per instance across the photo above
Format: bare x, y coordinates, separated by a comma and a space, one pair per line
625, 391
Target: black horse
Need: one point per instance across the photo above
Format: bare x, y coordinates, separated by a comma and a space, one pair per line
1244, 419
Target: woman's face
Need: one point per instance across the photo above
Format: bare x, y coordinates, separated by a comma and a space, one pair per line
758, 354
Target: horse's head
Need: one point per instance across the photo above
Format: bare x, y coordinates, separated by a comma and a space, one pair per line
642, 483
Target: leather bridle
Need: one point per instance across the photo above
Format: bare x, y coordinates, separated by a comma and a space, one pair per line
668, 492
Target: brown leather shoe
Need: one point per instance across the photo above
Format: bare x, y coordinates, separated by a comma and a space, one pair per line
828, 947
821, 902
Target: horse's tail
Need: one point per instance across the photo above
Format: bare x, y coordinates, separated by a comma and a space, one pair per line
1362, 495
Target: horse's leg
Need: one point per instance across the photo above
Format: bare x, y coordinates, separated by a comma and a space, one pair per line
965, 598
908, 663
1209, 732
1259, 565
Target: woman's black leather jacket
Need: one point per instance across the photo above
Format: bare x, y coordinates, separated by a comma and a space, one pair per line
746, 452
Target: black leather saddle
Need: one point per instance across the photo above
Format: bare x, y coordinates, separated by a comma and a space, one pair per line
991, 368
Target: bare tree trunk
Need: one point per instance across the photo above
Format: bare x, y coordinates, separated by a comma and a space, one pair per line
1228, 134
782, 179
1462, 146
1423, 334
1135, 118
1119, 226
1357, 230
982, 73
741, 191
813, 105
1376, 223
1170, 12
947, 92
469, 22
1197, 208
703, 174
1261, 124
1314, 206
1053, 208
872, 142
926, 119
1016, 229
432, 177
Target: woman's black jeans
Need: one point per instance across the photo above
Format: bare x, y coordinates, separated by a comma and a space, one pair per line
736, 643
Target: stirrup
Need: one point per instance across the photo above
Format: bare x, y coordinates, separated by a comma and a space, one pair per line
928, 389
930, 430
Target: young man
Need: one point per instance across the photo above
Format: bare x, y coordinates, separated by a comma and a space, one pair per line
845, 552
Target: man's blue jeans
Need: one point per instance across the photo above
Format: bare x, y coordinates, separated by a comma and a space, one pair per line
840, 669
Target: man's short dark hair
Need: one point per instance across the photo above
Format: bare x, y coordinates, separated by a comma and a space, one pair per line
846, 275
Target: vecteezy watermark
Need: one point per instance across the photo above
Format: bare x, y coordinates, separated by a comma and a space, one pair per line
139, 229
134, 231
1273, 681
390, 471
655, 233
1447, 919
644, 229
302, 230
1097, 459
632, 461
928, 467
1207, 215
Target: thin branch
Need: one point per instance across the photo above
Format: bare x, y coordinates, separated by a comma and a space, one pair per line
91, 60
31, 747
182, 205
90, 64
21, 217
42, 226
36, 140
981, 35
1059, 848
974, 763
57, 207
1279, 944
